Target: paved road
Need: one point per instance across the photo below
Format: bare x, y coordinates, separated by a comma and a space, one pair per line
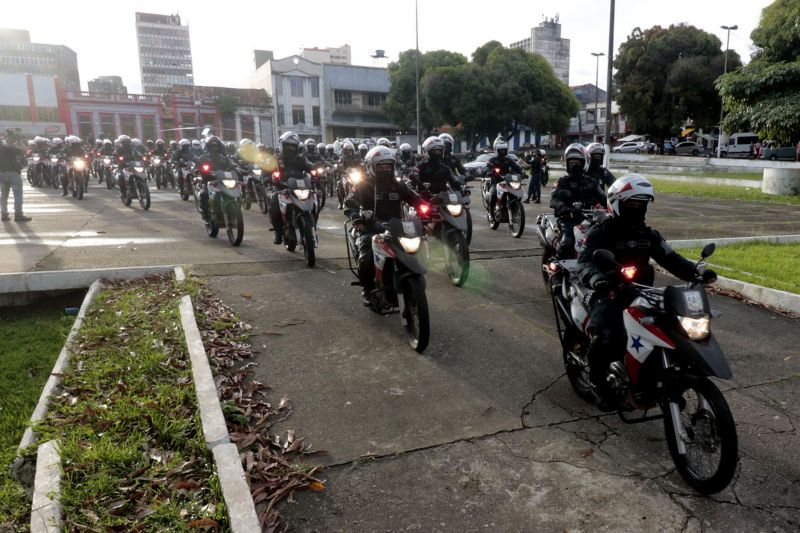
482, 432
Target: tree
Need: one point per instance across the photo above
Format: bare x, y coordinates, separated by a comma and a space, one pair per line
666, 76
762, 97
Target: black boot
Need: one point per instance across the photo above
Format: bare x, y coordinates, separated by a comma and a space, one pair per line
277, 238
365, 299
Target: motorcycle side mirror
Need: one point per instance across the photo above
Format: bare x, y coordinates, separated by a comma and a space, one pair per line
708, 250
604, 258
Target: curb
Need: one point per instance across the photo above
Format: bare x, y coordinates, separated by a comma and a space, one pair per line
752, 184
775, 239
55, 280
180, 275
786, 301
61, 363
235, 490
46, 506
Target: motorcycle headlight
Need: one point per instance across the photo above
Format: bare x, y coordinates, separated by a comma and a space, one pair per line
410, 244
256, 172
36, 159
138, 169
231, 184
156, 161
302, 194
54, 160
106, 160
696, 328
79, 164
454, 209
515, 185
355, 177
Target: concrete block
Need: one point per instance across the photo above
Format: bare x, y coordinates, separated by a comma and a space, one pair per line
787, 301
46, 505
781, 181
235, 489
214, 429
722, 241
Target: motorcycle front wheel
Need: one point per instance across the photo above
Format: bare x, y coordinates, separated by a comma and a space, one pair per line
516, 219
247, 198
307, 234
261, 197
456, 258
469, 227
234, 223
144, 194
322, 197
712, 448
185, 189
126, 196
415, 313
79, 189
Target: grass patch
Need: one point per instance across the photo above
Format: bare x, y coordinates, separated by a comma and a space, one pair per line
30, 341
724, 192
127, 420
761, 263
758, 176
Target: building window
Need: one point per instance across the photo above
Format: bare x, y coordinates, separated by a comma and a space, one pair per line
47, 114
602, 114
298, 114
85, 129
375, 99
107, 126
281, 115
228, 127
278, 86
343, 97
128, 125
188, 125
296, 84
248, 125
14, 112
314, 87
209, 121
149, 128
315, 115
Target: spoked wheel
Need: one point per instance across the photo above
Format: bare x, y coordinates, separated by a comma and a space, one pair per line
516, 219
415, 313
575, 349
126, 196
159, 179
469, 227
712, 449
261, 197
307, 234
144, 194
234, 223
456, 258
247, 197
322, 197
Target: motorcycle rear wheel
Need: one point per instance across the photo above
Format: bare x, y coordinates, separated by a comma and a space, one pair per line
710, 430
415, 313
456, 258
307, 234
234, 223
516, 219
261, 197
576, 364
143, 194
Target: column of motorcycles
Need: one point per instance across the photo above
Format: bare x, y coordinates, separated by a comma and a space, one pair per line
71, 175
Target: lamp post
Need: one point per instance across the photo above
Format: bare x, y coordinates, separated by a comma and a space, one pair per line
597, 56
724, 71
416, 62
609, 87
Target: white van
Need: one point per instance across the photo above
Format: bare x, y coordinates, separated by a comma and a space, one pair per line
739, 145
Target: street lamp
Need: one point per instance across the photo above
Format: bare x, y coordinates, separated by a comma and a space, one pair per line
725, 71
609, 86
596, 81
416, 68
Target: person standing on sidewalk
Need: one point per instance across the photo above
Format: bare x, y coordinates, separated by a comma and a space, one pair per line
533, 160
11, 179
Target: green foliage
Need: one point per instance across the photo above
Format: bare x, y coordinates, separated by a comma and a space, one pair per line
666, 75
763, 96
226, 104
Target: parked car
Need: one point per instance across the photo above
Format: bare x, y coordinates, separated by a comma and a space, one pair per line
739, 145
477, 167
632, 147
689, 148
773, 152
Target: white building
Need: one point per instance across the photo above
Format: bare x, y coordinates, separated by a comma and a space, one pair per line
29, 104
331, 55
546, 40
165, 53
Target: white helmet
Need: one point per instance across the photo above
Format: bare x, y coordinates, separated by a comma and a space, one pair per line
347, 145
107, 141
629, 187
380, 155
136, 141
363, 149
383, 141
245, 142
184, 142
500, 144
595, 148
432, 143
447, 138
405, 147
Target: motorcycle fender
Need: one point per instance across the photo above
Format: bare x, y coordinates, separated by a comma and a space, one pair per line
457, 223
304, 205
401, 274
409, 262
706, 353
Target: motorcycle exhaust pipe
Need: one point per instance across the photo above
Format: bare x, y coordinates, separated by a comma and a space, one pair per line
542, 239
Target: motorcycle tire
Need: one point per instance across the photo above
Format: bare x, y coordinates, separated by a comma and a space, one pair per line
469, 227
64, 185
234, 223
247, 200
57, 180
307, 234
79, 190
719, 420
289, 243
126, 197
109, 180
159, 179
416, 321
212, 230
576, 363
456, 258
322, 197
261, 197
493, 224
516, 219
30, 176
144, 194
185, 190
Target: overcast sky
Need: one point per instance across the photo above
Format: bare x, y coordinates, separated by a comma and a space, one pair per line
224, 37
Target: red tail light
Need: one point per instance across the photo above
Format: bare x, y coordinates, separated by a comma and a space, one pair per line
629, 272
314, 172
497, 170
424, 209
121, 158
205, 168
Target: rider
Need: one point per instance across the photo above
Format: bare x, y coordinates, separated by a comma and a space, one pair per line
433, 170
362, 151
405, 156
348, 160
633, 243
449, 159
596, 153
291, 164
124, 154
311, 151
215, 155
197, 148
499, 166
378, 198
576, 186
160, 149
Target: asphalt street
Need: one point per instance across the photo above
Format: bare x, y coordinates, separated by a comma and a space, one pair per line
482, 432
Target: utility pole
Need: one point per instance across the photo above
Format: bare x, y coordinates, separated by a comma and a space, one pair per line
725, 71
596, 81
416, 59
609, 82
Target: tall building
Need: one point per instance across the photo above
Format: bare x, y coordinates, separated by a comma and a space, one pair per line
165, 53
107, 84
546, 40
328, 56
19, 55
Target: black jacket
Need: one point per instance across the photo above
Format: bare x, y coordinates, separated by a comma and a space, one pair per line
437, 174
603, 176
218, 162
506, 165
632, 246
295, 165
185, 154
10, 158
454, 164
350, 162
385, 201
568, 190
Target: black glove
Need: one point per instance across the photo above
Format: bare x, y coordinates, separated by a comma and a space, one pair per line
709, 276
601, 285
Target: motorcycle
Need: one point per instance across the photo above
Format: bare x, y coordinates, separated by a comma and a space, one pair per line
670, 357
318, 178
224, 194
183, 175
445, 220
298, 208
57, 170
75, 178
40, 171
509, 203
160, 174
108, 171
399, 275
250, 180
134, 184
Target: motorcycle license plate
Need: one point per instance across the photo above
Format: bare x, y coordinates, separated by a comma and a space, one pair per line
409, 229
453, 198
228, 174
